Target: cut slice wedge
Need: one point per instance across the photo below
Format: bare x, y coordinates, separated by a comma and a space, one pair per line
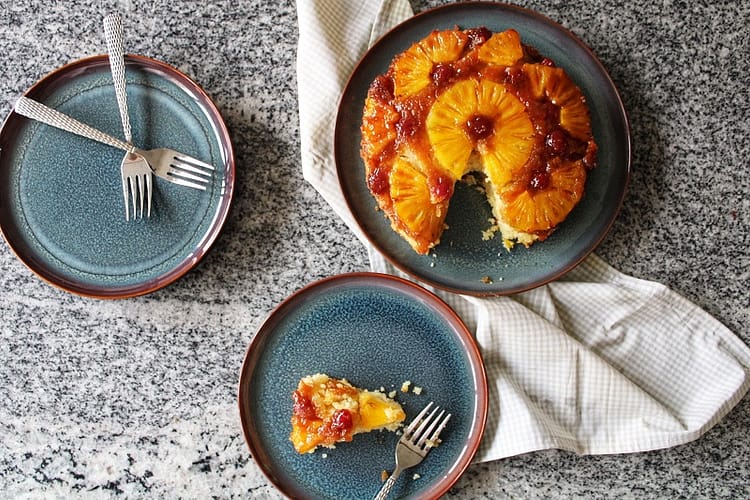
419, 215
328, 410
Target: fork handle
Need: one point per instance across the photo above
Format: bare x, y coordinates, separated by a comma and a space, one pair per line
40, 112
113, 35
386, 488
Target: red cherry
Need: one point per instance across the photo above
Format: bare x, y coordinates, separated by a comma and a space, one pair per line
342, 421
407, 126
546, 61
478, 36
303, 407
442, 188
381, 88
557, 142
479, 127
442, 73
539, 180
377, 181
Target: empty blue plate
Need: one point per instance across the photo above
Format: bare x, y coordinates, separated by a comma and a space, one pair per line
376, 331
462, 261
61, 205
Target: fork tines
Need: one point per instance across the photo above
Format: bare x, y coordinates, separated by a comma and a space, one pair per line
424, 431
419, 437
187, 171
139, 188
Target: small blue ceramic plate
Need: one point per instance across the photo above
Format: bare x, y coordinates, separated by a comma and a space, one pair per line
375, 331
462, 261
61, 205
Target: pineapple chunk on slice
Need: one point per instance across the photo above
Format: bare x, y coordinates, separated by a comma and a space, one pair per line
502, 49
417, 217
574, 117
539, 78
306, 438
378, 127
376, 411
546, 82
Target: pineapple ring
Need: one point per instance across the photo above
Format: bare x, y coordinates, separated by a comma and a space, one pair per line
505, 150
412, 70
536, 210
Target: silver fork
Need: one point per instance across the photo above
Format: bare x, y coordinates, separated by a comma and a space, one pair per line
135, 171
418, 439
166, 163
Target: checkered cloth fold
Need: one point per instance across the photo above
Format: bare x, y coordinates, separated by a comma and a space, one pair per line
595, 362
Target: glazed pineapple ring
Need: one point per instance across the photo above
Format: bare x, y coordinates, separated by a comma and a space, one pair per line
452, 127
461, 101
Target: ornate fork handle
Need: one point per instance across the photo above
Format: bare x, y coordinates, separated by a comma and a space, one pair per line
387, 486
113, 35
38, 111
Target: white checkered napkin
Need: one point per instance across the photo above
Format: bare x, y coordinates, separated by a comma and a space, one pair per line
599, 362
596, 362
333, 36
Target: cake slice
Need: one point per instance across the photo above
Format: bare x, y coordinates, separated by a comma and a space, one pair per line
327, 411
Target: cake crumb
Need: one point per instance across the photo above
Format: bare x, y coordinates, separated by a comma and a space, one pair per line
392, 394
486, 280
415, 476
417, 390
384, 476
489, 234
405, 386
324, 455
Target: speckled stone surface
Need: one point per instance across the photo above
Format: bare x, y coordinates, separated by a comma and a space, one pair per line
137, 397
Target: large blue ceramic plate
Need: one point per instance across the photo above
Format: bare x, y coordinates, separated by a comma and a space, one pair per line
462, 260
61, 206
375, 331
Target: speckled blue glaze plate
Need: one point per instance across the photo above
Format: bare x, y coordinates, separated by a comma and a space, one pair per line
376, 331
462, 261
61, 206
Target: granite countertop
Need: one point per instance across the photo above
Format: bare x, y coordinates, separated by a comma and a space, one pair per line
138, 396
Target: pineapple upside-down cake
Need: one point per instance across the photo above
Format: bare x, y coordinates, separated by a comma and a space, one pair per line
468, 104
